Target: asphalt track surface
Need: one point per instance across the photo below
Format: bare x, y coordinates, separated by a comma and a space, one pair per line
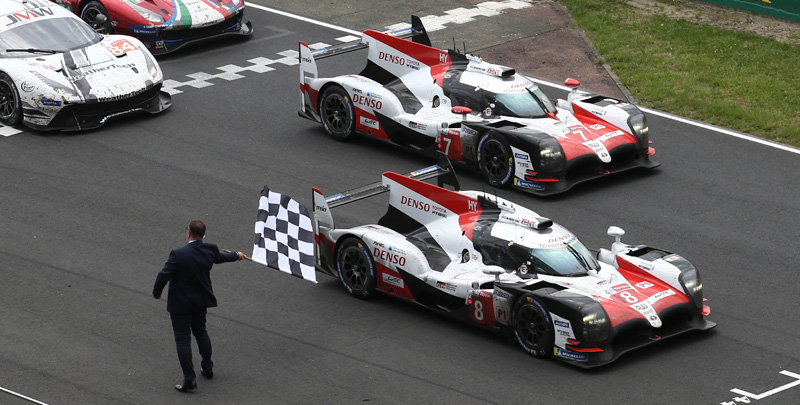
88, 220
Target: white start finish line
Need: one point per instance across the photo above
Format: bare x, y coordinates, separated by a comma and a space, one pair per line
747, 396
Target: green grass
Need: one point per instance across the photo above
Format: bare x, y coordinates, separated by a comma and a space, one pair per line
728, 78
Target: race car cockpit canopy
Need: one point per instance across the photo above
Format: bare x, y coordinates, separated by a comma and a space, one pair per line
513, 96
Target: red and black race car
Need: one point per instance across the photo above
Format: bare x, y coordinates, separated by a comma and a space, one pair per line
163, 25
486, 116
493, 263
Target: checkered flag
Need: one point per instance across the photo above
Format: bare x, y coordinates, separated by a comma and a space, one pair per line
284, 236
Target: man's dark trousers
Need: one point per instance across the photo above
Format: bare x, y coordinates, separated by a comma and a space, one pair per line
185, 325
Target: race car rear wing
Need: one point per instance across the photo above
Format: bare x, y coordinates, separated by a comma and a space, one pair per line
308, 57
416, 32
442, 171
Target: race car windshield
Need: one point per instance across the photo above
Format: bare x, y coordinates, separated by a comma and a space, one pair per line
571, 260
530, 104
46, 36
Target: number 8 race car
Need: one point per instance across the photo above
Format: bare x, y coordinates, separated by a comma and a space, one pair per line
493, 263
488, 117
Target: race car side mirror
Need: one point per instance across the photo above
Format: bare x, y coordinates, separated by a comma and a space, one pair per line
573, 83
616, 232
495, 271
461, 110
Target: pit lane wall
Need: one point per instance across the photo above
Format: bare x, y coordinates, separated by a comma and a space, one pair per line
783, 9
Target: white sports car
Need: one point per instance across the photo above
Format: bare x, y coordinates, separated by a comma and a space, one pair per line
56, 72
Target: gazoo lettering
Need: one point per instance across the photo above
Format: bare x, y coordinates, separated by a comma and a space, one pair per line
391, 58
367, 102
28, 14
389, 257
420, 205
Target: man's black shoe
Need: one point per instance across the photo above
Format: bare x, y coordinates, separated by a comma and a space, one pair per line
207, 374
187, 386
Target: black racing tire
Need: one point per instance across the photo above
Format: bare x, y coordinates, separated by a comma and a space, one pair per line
495, 161
533, 327
356, 268
337, 113
89, 15
10, 103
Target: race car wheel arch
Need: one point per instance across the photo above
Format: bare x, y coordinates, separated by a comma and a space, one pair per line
495, 160
89, 14
337, 113
356, 267
533, 326
10, 103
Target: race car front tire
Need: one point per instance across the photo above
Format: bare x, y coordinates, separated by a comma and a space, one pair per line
89, 14
496, 163
356, 267
533, 327
10, 103
337, 113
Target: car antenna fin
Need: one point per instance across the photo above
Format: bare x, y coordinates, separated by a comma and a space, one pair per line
420, 34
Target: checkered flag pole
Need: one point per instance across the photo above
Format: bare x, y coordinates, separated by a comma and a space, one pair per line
284, 236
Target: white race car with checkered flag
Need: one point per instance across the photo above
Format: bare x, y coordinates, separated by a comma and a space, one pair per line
485, 260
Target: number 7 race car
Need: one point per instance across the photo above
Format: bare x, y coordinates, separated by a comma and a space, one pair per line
488, 117
499, 265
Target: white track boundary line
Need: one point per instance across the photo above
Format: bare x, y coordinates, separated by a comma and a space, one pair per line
667, 115
22, 396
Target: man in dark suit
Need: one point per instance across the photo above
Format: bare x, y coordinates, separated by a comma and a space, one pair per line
188, 272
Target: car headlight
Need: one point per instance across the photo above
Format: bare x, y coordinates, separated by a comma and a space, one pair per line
551, 156
595, 324
690, 280
147, 14
638, 124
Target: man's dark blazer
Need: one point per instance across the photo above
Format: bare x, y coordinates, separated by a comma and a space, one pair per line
188, 271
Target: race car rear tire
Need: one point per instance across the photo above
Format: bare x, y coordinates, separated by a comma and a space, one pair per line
10, 103
495, 161
356, 268
533, 327
89, 15
337, 113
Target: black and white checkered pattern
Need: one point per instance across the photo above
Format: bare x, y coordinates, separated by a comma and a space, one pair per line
284, 236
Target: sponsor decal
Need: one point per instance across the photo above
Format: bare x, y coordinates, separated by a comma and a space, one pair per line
120, 47
568, 354
561, 324
27, 15
445, 286
50, 102
369, 122
412, 64
443, 57
424, 171
420, 205
621, 287
647, 266
598, 112
417, 126
367, 101
389, 257
530, 185
611, 135
597, 127
522, 156
484, 294
27, 87
86, 73
320, 208
659, 295
121, 96
393, 280
671, 258
644, 285
501, 294
398, 60
334, 197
